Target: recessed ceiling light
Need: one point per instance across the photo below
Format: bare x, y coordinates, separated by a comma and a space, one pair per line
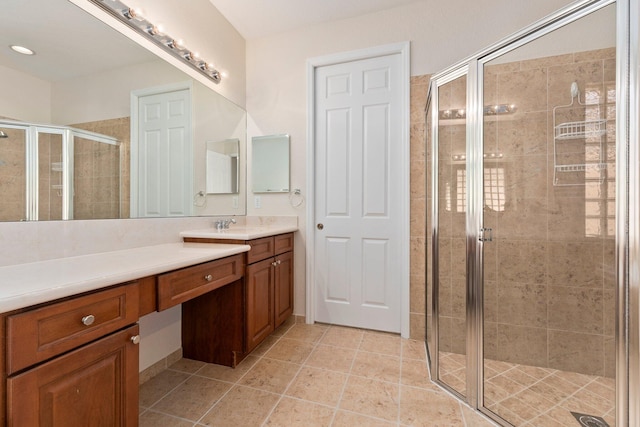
21, 49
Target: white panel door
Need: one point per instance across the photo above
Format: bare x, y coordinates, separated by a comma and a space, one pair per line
358, 193
165, 164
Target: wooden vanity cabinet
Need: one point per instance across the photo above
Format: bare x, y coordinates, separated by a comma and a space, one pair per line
74, 362
269, 288
268, 285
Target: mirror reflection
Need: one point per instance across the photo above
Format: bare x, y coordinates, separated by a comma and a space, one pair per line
222, 166
270, 164
71, 124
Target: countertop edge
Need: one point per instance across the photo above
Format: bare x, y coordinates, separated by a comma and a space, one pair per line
129, 267
237, 234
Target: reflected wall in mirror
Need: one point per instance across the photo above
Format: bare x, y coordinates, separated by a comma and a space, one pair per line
222, 166
270, 164
87, 83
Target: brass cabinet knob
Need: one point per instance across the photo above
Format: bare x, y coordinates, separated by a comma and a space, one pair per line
88, 320
208, 277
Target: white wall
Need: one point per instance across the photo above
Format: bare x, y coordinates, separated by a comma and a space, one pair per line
24, 97
441, 33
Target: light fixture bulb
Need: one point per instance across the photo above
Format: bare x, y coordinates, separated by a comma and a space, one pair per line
21, 49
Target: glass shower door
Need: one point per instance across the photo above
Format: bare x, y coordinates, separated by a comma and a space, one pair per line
549, 217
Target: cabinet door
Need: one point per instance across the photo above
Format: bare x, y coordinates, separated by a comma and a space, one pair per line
259, 282
283, 287
93, 386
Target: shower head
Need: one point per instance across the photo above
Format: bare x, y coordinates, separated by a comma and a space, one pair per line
3, 134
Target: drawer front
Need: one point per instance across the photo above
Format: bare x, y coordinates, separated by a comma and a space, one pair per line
283, 243
260, 249
182, 285
40, 334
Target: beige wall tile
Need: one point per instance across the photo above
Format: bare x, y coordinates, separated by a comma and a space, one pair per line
524, 345
576, 352
576, 309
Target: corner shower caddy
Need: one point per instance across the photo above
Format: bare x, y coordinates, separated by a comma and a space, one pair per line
591, 132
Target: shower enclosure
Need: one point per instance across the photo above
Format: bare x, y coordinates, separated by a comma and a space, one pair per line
57, 172
528, 145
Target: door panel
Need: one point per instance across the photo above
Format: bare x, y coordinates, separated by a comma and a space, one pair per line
165, 161
358, 196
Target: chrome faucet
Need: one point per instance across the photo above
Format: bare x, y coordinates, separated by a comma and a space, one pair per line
223, 224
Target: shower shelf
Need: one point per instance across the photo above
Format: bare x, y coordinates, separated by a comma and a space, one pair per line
582, 167
590, 133
578, 130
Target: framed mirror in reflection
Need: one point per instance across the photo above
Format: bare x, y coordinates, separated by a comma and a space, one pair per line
82, 134
270, 164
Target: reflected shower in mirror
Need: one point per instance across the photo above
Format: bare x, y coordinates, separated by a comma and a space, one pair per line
222, 166
270, 170
88, 83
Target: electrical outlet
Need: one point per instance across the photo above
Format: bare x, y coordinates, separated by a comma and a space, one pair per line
257, 202
234, 202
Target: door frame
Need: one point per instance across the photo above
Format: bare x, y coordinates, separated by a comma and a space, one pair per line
133, 138
403, 49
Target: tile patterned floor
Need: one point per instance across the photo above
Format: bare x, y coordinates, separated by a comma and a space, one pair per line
537, 397
307, 375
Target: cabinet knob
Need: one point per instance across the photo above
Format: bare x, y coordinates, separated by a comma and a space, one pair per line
274, 263
279, 262
135, 339
208, 277
88, 320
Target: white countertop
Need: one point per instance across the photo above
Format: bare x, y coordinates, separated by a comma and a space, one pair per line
241, 232
23, 285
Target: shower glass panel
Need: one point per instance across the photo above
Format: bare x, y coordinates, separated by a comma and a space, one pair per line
12, 174
50, 176
452, 280
549, 284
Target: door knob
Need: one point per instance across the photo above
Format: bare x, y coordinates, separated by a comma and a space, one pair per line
320, 226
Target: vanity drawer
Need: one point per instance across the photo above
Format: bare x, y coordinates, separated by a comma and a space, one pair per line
283, 243
42, 333
260, 249
182, 285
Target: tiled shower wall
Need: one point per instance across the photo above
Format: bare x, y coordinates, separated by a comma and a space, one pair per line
550, 271
102, 174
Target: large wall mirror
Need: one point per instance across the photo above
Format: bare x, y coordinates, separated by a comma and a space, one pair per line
77, 123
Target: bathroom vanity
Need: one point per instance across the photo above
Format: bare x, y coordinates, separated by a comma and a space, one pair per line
69, 327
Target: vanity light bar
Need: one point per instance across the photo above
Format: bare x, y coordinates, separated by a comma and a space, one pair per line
135, 20
490, 156
489, 110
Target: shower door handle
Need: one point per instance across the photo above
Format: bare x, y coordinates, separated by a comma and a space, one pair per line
486, 235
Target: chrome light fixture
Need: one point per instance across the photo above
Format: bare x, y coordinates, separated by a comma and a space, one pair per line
135, 19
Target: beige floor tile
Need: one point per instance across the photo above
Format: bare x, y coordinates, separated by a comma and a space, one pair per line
415, 374
600, 405
535, 371
370, 397
270, 375
289, 350
192, 399
376, 366
225, 373
187, 365
350, 419
380, 342
520, 407
158, 386
413, 349
241, 406
155, 419
329, 357
282, 329
265, 345
573, 377
294, 413
308, 333
602, 390
474, 419
419, 407
342, 337
318, 385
